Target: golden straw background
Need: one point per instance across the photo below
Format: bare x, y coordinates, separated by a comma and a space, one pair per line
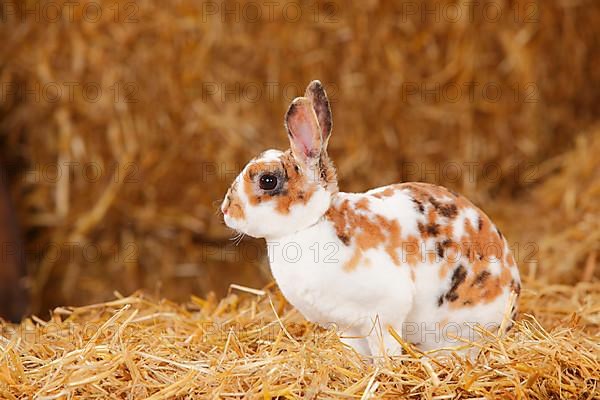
170, 99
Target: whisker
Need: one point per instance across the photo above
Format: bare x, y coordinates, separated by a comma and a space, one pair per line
241, 237
235, 238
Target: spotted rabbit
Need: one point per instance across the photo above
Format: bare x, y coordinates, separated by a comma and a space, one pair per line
414, 257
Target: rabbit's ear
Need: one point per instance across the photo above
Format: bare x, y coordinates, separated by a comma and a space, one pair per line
316, 94
304, 131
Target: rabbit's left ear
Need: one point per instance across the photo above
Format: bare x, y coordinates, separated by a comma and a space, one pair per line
315, 92
304, 131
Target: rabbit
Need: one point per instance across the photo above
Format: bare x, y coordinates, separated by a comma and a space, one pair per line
413, 259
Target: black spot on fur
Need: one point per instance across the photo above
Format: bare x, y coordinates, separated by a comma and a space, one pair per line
345, 239
322, 169
499, 233
440, 249
458, 277
480, 224
276, 192
433, 229
419, 205
429, 229
481, 278
451, 296
285, 171
440, 301
448, 210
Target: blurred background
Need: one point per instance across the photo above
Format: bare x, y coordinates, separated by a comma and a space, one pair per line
122, 124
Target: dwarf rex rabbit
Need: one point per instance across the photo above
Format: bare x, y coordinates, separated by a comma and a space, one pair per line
414, 257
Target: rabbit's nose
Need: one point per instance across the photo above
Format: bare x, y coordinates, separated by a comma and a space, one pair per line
225, 205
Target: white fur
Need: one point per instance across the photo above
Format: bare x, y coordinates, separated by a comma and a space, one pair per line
307, 260
325, 294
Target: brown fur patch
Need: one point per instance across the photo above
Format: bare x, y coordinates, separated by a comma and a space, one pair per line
296, 188
236, 211
478, 291
327, 173
364, 230
479, 244
234, 208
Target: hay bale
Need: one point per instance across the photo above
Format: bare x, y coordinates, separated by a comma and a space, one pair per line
255, 345
554, 227
147, 113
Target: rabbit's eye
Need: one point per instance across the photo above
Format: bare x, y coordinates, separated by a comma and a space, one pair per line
268, 182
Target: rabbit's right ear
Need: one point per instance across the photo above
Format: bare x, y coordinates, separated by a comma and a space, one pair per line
315, 92
304, 131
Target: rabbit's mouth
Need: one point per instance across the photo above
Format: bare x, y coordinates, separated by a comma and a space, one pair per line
230, 223
236, 225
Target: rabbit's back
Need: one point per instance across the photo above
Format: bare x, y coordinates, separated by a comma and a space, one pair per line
459, 261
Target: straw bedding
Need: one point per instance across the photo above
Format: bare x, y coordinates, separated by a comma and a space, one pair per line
187, 97
253, 344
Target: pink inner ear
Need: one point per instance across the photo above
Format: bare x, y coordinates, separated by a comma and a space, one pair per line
304, 128
303, 134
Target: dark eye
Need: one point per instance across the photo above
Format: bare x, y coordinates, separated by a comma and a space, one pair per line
268, 182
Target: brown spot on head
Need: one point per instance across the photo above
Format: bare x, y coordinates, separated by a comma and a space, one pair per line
236, 210
232, 205
327, 174
293, 186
